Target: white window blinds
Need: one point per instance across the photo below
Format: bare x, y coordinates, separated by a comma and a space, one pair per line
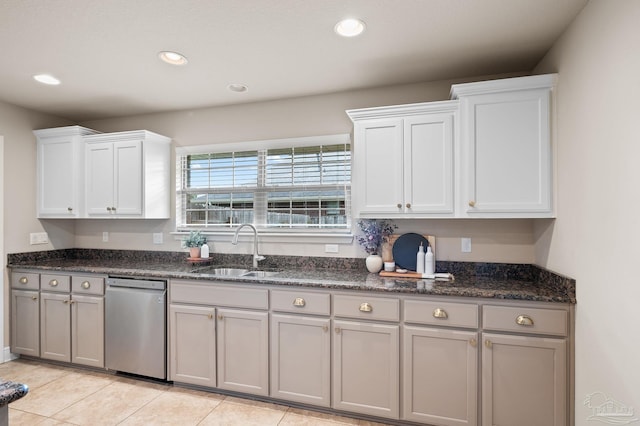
284, 187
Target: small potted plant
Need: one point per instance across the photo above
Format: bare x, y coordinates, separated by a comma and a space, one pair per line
375, 232
194, 241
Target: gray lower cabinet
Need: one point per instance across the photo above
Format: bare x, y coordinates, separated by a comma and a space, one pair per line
301, 359
440, 376
25, 322
55, 326
366, 368
243, 351
192, 351
87, 330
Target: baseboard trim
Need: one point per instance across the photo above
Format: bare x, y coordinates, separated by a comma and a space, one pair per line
8, 356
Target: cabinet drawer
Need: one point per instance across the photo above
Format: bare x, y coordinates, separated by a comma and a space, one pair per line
87, 285
302, 302
440, 313
207, 293
525, 320
366, 307
25, 280
57, 283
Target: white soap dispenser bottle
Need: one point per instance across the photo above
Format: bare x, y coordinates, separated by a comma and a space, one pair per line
429, 262
204, 251
420, 260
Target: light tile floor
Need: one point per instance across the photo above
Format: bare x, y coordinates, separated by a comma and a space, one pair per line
60, 395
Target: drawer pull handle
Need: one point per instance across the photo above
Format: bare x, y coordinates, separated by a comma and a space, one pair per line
473, 343
472, 203
488, 343
299, 302
85, 285
440, 313
338, 330
34, 297
524, 320
366, 307
53, 283
24, 280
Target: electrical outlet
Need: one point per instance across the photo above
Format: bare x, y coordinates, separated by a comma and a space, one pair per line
38, 238
465, 245
330, 248
157, 238
105, 237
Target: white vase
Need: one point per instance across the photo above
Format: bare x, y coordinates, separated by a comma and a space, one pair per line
374, 263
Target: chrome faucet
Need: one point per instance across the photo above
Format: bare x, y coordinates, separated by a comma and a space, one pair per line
256, 256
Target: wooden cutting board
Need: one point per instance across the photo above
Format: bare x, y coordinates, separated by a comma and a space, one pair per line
387, 252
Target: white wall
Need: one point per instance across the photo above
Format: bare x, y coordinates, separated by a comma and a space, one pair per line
595, 237
492, 240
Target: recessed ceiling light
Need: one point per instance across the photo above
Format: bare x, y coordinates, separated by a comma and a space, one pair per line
173, 58
238, 88
46, 79
349, 27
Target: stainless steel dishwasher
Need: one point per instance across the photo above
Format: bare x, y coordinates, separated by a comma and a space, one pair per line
135, 326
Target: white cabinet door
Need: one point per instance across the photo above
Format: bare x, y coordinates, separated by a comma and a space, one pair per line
87, 330
114, 179
366, 368
243, 351
440, 376
524, 380
378, 168
301, 359
55, 326
192, 348
25, 322
127, 164
506, 141
60, 171
428, 164
100, 178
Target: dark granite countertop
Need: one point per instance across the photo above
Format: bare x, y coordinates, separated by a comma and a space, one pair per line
485, 280
11, 391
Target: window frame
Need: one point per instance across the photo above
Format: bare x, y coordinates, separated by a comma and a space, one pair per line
276, 234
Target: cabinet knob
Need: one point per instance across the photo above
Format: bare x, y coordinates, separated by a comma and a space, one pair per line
69, 209
210, 316
299, 302
325, 328
440, 313
53, 283
408, 205
34, 297
23, 280
338, 330
85, 284
472, 203
524, 320
71, 302
488, 343
65, 301
366, 307
473, 343
399, 205
220, 317
108, 209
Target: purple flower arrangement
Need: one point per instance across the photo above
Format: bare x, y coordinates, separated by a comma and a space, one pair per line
375, 233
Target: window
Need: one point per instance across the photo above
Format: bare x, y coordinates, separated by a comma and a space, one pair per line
290, 184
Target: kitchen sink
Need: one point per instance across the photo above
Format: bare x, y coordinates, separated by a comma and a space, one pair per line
260, 274
225, 272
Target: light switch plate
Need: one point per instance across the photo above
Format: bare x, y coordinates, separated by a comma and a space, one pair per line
330, 248
38, 238
157, 238
465, 245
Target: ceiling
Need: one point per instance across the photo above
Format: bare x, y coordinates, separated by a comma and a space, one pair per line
105, 51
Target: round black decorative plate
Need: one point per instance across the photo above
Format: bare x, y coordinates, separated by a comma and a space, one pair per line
406, 248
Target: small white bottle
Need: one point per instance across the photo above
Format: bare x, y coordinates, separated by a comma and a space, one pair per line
204, 251
429, 262
420, 260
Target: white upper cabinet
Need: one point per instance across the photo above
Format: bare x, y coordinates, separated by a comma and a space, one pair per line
60, 172
127, 175
506, 161
403, 160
